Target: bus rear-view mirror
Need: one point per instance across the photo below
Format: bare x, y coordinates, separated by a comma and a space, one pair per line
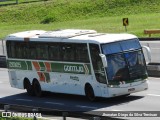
104, 60
147, 54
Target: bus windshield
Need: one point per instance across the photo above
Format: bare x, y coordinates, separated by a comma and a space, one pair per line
125, 61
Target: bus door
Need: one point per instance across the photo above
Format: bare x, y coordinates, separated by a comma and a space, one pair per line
98, 68
13, 78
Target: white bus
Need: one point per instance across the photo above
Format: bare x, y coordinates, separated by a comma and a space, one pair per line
72, 61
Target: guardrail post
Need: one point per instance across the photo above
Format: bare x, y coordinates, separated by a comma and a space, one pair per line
64, 114
34, 111
16, 1
3, 46
6, 107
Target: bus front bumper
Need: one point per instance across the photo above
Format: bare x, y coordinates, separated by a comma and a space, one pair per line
127, 88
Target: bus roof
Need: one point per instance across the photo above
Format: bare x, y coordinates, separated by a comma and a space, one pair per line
69, 35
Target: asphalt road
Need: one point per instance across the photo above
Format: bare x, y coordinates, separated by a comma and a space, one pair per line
142, 101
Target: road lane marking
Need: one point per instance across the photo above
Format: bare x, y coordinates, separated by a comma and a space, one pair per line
81, 106
24, 100
54, 103
116, 110
153, 95
49, 118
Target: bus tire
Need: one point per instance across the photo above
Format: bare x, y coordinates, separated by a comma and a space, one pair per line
28, 87
37, 88
89, 92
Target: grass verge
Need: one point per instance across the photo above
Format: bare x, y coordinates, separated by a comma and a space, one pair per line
137, 24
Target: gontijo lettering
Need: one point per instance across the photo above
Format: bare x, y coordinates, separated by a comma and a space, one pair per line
69, 68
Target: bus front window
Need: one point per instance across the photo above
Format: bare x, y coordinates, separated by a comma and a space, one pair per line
136, 64
117, 68
125, 61
126, 66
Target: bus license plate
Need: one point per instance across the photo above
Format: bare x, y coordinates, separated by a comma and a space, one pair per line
131, 89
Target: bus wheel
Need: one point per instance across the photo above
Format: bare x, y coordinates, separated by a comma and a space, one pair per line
28, 88
37, 88
89, 92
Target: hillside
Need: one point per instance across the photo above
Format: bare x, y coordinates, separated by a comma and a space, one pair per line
66, 10
101, 15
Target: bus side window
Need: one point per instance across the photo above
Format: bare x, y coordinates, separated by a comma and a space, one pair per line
68, 51
10, 49
32, 51
42, 51
94, 50
16, 50
75, 52
97, 63
54, 52
20, 50
81, 53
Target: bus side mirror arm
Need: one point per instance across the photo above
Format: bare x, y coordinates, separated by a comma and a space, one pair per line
104, 60
148, 52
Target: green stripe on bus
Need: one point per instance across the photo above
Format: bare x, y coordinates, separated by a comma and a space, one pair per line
55, 67
42, 66
29, 64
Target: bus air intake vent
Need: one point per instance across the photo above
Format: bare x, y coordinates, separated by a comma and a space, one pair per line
68, 33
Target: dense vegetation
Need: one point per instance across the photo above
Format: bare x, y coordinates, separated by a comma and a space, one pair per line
62, 12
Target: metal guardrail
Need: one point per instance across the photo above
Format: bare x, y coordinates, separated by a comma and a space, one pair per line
3, 63
149, 39
13, 2
153, 69
8, 2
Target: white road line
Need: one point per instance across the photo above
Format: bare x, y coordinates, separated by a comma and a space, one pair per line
153, 95
116, 110
86, 107
44, 118
24, 100
54, 103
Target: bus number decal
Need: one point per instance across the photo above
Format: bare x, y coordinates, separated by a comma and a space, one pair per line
14, 64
